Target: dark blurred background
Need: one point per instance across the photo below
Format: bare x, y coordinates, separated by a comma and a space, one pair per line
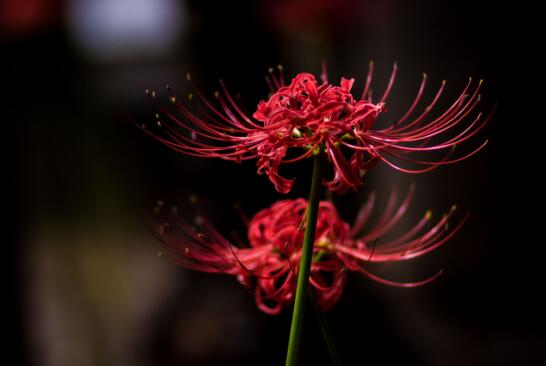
84, 284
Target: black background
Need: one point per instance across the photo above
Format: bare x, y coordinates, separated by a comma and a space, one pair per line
75, 163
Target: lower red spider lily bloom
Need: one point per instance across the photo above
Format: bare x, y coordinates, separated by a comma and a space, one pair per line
306, 117
269, 265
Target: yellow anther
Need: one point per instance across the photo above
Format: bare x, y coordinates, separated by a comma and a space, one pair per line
428, 215
325, 243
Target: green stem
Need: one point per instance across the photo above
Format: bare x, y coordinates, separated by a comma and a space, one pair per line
325, 330
305, 265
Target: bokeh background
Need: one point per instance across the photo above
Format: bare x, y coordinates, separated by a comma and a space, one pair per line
85, 285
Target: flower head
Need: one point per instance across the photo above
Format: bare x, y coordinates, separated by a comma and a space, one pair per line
268, 265
305, 117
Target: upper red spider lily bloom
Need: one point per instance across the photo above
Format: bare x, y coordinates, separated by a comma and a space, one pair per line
305, 117
269, 265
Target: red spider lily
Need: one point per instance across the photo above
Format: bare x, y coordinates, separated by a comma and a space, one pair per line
306, 117
269, 265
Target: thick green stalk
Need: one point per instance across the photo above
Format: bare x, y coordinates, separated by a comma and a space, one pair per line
305, 265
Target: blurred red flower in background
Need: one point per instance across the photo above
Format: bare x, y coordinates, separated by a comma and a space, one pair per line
269, 265
306, 117
22, 17
323, 18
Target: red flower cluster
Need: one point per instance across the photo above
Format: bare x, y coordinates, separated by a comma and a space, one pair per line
307, 117
269, 266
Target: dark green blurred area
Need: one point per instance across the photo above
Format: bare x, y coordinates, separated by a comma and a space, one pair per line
85, 284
